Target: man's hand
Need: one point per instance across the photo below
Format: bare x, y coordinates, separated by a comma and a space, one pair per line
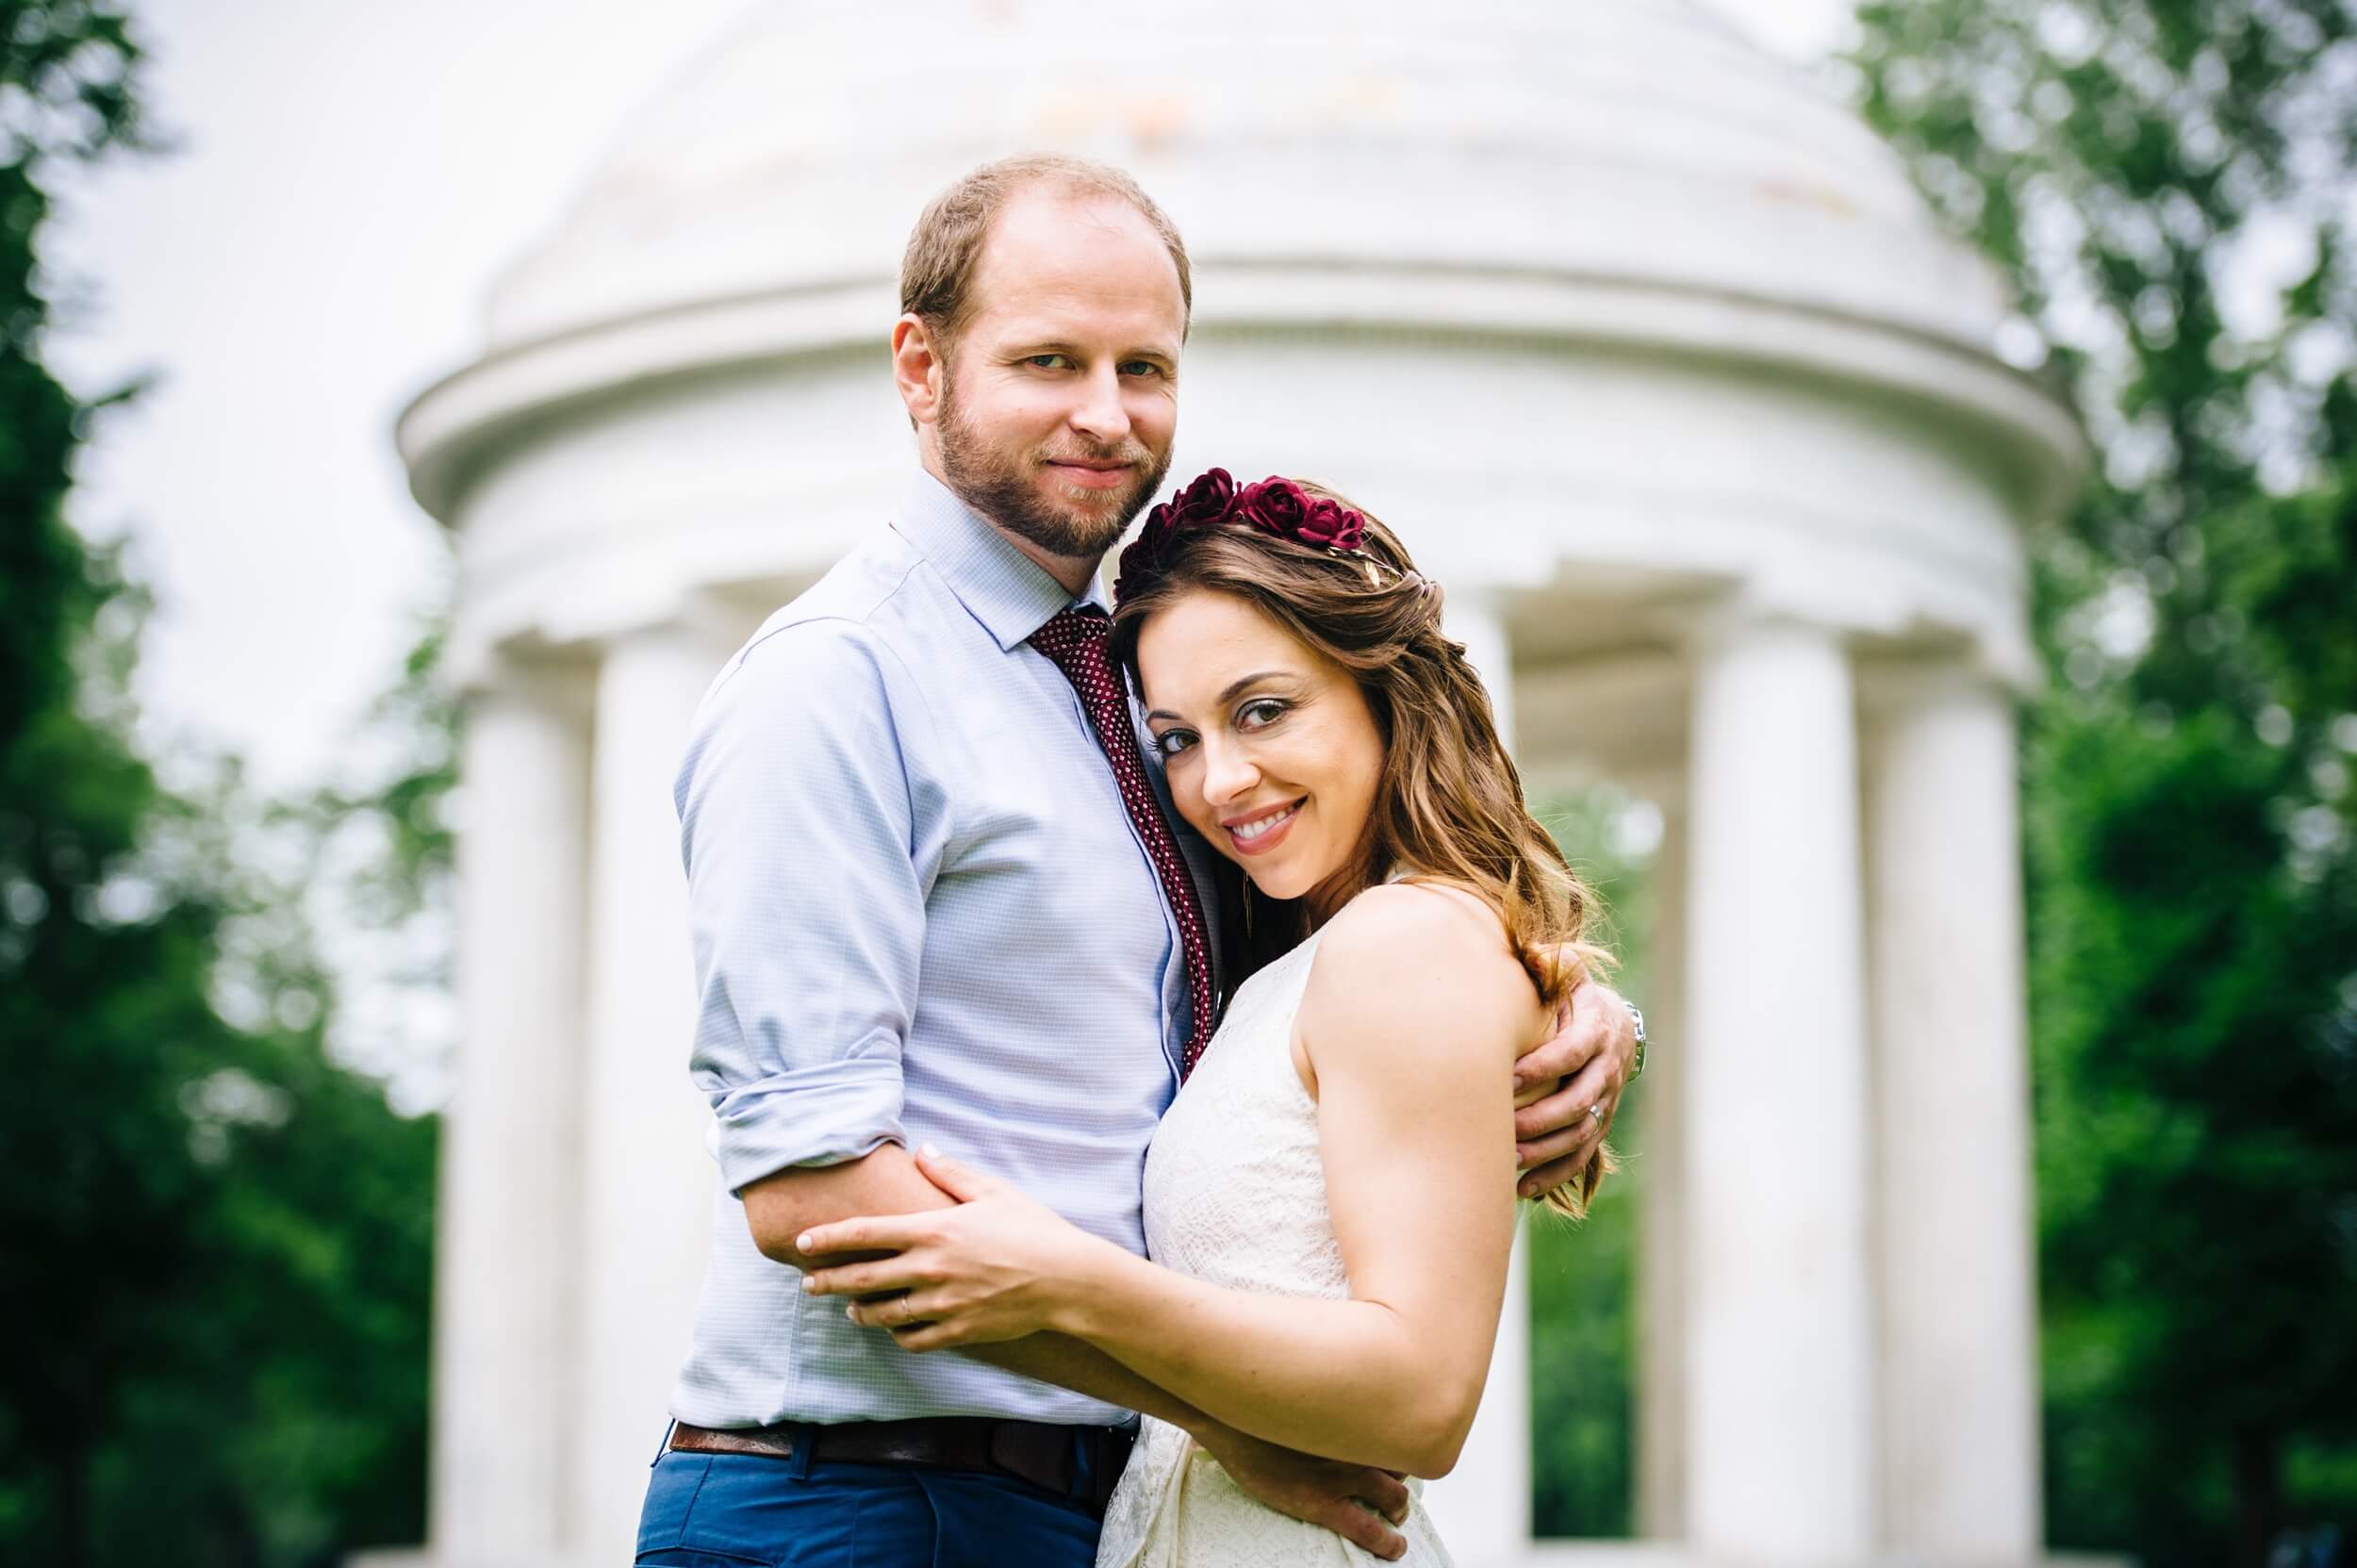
1326, 1492
1588, 1062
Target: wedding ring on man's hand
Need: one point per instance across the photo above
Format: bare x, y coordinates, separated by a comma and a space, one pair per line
908, 1312
1597, 1111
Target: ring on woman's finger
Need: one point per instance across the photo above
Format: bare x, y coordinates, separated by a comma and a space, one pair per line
1597, 1112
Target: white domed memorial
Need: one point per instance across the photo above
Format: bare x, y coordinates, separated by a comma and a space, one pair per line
1658, 363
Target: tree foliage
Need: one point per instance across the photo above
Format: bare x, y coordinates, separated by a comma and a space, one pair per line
2168, 186
1583, 1277
214, 1242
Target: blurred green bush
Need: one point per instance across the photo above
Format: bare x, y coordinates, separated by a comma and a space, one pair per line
215, 1242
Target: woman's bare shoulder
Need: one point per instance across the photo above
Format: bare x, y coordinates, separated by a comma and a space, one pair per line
1416, 917
1414, 954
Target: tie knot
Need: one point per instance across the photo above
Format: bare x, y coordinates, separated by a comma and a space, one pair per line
1070, 630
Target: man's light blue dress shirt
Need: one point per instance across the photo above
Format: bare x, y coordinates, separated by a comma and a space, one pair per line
919, 912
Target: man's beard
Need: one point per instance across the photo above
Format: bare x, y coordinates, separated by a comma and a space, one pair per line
1000, 487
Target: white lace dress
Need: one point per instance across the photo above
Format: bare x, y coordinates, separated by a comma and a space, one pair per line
1235, 1193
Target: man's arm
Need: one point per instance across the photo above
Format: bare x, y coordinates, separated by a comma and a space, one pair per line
807, 860
781, 1208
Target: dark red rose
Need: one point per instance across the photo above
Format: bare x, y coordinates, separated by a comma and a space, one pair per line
1275, 506
1139, 565
1328, 523
1205, 501
1160, 525
1143, 561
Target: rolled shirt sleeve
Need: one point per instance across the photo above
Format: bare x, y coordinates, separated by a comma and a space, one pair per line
808, 853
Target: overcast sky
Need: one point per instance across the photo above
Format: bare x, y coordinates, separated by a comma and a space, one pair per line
348, 178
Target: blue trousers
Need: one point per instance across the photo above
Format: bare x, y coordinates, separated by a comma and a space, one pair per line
742, 1511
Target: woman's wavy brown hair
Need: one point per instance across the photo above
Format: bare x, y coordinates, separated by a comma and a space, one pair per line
1449, 806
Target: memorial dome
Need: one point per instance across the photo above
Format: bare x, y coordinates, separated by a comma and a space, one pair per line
1643, 143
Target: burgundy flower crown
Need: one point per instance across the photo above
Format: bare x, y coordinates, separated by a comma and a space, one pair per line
1275, 505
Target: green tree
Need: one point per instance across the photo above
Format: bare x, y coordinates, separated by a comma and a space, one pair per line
2141, 170
214, 1242
1583, 1346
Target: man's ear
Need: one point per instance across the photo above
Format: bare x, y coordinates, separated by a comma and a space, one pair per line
917, 369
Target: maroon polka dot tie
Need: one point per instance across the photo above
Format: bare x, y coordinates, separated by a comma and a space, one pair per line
1075, 639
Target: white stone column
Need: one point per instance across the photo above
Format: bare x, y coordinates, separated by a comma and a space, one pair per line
1954, 1226
650, 1181
1483, 1506
1477, 617
1656, 1165
504, 1292
1778, 1370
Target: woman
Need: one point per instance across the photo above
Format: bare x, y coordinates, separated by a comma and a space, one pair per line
1328, 1201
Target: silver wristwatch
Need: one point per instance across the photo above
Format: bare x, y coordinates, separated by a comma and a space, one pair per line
1637, 1068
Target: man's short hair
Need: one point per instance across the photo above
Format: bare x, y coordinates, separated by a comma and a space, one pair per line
937, 271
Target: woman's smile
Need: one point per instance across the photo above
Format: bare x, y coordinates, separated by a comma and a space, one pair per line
1259, 831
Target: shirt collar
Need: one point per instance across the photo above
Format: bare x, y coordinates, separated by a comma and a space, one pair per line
1011, 594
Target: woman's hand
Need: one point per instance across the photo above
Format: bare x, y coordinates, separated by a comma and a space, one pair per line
998, 1266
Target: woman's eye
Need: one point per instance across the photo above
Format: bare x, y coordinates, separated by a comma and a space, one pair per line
1260, 715
1171, 742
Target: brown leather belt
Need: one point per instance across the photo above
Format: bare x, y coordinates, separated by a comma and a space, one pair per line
1048, 1457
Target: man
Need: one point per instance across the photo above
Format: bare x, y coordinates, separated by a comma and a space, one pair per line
932, 901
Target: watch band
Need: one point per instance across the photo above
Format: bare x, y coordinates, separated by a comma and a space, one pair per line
1637, 1068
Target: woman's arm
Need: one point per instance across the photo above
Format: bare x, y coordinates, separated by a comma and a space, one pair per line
1358, 1502
1307, 1487
1414, 1013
